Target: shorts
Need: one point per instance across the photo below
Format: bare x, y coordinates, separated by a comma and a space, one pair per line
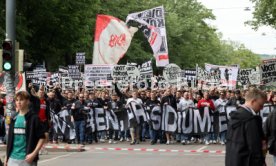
15, 162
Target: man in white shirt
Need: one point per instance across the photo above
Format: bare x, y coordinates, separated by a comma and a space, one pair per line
219, 105
184, 104
134, 127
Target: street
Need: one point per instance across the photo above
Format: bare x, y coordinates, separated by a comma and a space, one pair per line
143, 154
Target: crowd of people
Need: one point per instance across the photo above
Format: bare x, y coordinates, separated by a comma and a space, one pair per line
43, 104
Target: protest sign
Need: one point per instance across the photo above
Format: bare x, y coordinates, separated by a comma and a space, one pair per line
80, 58
172, 73
268, 73
228, 74
74, 72
146, 70
125, 72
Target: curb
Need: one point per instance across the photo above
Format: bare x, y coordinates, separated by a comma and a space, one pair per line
157, 150
57, 148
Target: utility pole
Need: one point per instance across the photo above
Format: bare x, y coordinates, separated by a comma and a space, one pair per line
9, 75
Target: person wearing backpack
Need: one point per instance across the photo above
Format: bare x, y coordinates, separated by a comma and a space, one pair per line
244, 146
270, 133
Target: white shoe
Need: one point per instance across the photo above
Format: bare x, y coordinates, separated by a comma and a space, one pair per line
110, 141
183, 142
215, 142
168, 142
200, 141
127, 140
114, 142
222, 143
207, 143
122, 139
102, 140
188, 142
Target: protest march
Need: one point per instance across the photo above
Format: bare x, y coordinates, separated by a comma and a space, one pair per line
153, 102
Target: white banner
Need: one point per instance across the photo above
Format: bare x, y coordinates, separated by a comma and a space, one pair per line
153, 26
228, 74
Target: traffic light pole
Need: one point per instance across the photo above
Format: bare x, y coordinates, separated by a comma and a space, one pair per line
9, 75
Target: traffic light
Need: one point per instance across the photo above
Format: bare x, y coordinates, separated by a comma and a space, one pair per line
7, 55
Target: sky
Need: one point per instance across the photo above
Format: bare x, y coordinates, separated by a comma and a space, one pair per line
230, 19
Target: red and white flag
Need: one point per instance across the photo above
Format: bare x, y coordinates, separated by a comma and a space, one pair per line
112, 39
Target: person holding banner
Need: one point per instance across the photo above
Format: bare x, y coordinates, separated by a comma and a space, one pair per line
244, 146
150, 104
206, 102
184, 104
134, 127
78, 114
53, 105
168, 99
220, 106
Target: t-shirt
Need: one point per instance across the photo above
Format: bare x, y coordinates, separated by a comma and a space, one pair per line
42, 111
185, 104
19, 143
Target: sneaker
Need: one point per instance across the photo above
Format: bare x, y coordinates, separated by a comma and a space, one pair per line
102, 140
200, 141
168, 142
222, 143
215, 142
127, 140
188, 142
110, 141
114, 142
152, 142
122, 139
183, 142
207, 143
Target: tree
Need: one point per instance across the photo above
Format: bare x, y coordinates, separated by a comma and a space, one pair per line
54, 30
264, 13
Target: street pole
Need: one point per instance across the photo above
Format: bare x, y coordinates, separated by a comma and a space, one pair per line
9, 75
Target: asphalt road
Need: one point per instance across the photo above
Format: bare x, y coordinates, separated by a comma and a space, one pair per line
140, 155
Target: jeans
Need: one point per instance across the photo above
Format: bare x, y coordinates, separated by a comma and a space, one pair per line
124, 134
222, 136
15, 162
79, 126
102, 134
213, 136
145, 130
153, 135
207, 137
184, 137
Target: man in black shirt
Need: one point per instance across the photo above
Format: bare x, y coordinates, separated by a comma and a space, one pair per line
78, 113
150, 104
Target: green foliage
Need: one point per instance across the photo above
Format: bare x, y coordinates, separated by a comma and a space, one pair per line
264, 14
54, 30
